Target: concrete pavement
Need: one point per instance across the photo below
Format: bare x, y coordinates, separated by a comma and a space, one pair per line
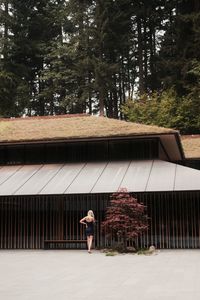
77, 275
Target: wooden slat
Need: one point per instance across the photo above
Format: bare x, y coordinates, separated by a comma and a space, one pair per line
27, 221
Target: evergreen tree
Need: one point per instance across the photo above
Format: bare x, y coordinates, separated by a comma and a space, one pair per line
78, 56
179, 52
68, 70
8, 80
28, 27
112, 53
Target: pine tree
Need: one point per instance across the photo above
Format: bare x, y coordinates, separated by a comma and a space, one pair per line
73, 56
32, 29
68, 68
179, 51
8, 80
113, 40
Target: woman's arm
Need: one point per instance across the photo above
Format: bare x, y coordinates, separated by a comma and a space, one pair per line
82, 221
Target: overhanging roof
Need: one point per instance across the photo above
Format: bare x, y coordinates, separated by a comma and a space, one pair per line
70, 128
97, 177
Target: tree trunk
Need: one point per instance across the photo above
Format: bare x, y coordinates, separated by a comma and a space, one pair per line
140, 56
101, 103
145, 56
115, 98
5, 44
124, 241
197, 5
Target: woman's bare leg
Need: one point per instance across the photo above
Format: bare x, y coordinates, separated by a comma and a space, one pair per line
88, 242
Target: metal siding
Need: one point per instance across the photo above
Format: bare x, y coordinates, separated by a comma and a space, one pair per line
137, 176
187, 179
87, 178
161, 177
7, 171
100, 177
62, 180
111, 178
38, 181
18, 178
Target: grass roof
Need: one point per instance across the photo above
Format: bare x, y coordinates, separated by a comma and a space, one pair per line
31, 129
191, 145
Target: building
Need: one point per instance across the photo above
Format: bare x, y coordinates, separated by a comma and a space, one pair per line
191, 145
53, 169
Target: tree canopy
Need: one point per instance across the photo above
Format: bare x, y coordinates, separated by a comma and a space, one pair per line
97, 56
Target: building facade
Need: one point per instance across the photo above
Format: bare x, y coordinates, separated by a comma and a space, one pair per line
54, 169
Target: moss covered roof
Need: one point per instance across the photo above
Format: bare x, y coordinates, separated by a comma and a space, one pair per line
191, 145
64, 127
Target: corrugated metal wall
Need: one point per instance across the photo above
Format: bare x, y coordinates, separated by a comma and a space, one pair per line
25, 222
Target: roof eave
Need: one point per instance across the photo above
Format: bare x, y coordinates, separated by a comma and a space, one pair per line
82, 139
165, 138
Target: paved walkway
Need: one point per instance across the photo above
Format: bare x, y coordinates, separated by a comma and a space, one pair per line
77, 275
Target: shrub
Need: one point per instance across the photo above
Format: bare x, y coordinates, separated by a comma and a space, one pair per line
125, 218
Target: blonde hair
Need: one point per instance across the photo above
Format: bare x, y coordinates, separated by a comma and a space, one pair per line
90, 213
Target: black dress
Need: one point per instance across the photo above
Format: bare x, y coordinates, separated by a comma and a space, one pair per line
90, 228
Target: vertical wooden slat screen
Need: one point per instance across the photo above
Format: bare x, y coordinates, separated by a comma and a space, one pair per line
25, 222
174, 219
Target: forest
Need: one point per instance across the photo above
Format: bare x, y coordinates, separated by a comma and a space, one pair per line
134, 60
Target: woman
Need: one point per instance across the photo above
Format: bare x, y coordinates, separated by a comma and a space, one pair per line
89, 221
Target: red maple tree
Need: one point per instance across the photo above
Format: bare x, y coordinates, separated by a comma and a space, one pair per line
125, 218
